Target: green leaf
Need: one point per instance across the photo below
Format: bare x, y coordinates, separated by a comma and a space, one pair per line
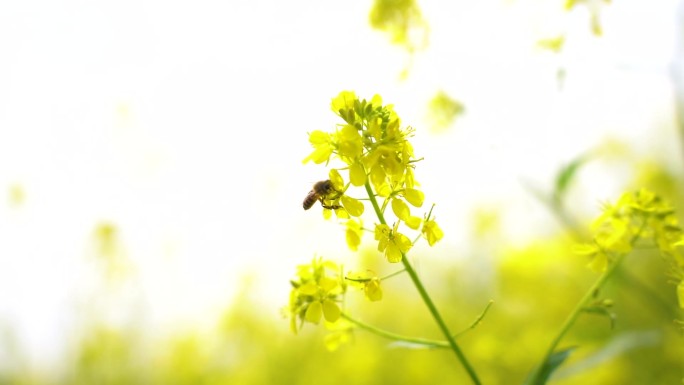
566, 175
543, 373
617, 347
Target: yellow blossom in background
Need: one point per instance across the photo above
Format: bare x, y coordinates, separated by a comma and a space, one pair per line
554, 44
640, 216
16, 195
399, 19
442, 111
598, 261
341, 333
372, 290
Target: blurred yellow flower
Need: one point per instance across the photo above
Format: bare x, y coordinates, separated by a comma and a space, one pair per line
372, 289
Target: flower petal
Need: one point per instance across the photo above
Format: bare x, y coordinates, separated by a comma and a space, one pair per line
372, 290
392, 253
357, 174
331, 311
414, 197
400, 209
314, 312
336, 179
353, 206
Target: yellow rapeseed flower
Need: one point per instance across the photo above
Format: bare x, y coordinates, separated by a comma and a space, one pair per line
343, 101
432, 232
315, 293
350, 145
393, 243
354, 233
323, 147
372, 289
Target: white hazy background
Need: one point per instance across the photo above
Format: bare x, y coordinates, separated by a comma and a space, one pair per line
183, 126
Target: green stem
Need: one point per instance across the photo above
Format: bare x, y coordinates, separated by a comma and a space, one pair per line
381, 279
420, 341
392, 275
477, 320
426, 298
588, 296
394, 336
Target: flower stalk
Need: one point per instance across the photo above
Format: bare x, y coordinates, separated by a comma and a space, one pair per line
572, 317
426, 297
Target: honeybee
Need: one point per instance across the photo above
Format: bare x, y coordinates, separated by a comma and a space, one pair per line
320, 191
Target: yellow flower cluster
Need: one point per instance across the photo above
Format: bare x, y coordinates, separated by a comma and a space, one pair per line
641, 217
370, 142
316, 291
376, 154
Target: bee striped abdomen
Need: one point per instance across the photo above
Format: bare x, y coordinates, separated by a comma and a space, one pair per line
310, 199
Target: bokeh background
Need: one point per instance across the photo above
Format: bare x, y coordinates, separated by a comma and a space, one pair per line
151, 184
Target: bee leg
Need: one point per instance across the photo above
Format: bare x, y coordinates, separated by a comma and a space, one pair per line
329, 207
333, 207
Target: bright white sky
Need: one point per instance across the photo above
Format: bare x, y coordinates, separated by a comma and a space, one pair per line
185, 125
